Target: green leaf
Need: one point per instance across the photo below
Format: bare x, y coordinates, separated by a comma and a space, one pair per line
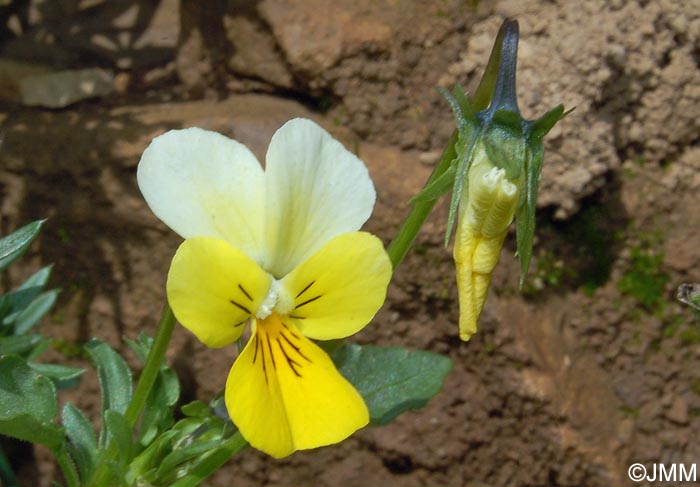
11, 304
115, 379
18, 344
57, 372
196, 409
190, 452
157, 413
35, 311
141, 346
27, 404
15, 244
392, 380
83, 441
119, 433
27, 428
525, 214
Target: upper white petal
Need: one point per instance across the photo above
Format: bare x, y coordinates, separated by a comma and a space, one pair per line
316, 189
201, 183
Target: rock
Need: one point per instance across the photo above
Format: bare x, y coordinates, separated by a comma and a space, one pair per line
678, 412
62, 88
316, 34
255, 53
12, 73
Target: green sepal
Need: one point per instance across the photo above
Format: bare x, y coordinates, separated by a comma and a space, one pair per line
525, 214
465, 154
28, 405
504, 143
469, 131
392, 380
83, 440
465, 106
12, 246
436, 188
541, 127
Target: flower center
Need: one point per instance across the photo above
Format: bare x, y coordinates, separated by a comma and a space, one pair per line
277, 299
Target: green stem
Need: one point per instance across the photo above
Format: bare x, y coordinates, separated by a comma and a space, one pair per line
67, 467
152, 366
143, 388
398, 248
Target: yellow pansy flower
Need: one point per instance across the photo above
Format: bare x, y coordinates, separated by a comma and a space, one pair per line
278, 248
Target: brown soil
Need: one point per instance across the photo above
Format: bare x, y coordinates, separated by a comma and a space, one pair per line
566, 385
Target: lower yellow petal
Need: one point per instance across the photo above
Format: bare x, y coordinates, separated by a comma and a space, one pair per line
213, 288
339, 289
284, 393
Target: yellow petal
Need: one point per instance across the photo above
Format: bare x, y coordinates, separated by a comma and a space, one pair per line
337, 291
285, 394
213, 288
475, 258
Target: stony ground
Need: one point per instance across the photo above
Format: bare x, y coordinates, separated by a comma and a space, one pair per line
592, 368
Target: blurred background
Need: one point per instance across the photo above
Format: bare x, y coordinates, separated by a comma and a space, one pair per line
593, 367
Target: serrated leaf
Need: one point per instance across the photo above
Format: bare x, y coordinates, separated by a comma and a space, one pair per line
15, 244
83, 440
18, 344
392, 380
35, 311
115, 379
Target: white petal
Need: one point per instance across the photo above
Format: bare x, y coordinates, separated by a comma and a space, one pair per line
201, 183
316, 190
